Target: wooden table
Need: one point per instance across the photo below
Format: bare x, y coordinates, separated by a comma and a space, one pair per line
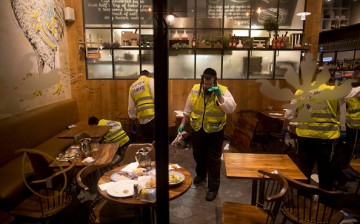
246, 165
355, 166
271, 123
269, 114
93, 131
103, 155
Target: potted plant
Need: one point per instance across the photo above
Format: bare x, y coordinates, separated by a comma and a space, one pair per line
271, 24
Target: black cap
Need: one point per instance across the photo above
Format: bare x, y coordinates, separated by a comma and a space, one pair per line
145, 72
210, 71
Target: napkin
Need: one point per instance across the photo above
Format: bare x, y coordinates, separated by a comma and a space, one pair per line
88, 160
105, 186
130, 167
174, 166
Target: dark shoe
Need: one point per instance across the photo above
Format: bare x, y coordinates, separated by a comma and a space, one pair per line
211, 195
198, 180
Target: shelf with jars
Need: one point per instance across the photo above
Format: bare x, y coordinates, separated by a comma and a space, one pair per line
335, 14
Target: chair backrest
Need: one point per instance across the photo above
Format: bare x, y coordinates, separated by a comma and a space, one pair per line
272, 189
305, 203
242, 137
51, 195
39, 164
133, 148
89, 175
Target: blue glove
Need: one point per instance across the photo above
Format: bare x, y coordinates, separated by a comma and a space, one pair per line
134, 127
180, 129
216, 90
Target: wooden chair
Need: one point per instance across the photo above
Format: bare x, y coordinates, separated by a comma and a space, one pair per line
133, 148
51, 194
305, 203
243, 134
271, 190
101, 210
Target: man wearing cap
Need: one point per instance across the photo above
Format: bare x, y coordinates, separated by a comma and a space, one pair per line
206, 108
141, 107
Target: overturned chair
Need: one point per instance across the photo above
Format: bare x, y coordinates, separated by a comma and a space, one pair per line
101, 210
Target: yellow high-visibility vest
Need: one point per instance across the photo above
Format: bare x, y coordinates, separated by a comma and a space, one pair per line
325, 123
141, 94
211, 118
353, 112
115, 134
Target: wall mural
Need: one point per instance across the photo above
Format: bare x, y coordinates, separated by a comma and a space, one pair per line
34, 58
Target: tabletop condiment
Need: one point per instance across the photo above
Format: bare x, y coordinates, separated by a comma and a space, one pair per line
136, 191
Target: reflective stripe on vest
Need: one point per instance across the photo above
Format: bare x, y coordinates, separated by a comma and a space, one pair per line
353, 112
115, 134
211, 118
141, 94
325, 124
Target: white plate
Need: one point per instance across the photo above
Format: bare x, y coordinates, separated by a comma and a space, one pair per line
178, 175
122, 188
121, 176
275, 114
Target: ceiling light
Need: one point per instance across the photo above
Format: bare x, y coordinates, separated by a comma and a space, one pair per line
258, 10
303, 15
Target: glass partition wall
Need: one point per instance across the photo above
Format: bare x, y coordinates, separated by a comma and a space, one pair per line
228, 34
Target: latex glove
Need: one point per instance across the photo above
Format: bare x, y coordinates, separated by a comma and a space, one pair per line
180, 129
216, 90
284, 132
342, 134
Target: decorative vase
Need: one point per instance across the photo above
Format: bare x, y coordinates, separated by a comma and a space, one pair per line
176, 36
239, 44
184, 36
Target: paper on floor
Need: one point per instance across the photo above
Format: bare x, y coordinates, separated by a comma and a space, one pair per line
88, 160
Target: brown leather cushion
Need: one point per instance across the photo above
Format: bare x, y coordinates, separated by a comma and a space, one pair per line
36, 129
12, 187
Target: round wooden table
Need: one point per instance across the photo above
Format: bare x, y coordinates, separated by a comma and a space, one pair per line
174, 191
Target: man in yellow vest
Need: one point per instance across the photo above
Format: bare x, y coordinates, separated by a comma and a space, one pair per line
141, 107
353, 109
116, 133
206, 108
316, 133
350, 125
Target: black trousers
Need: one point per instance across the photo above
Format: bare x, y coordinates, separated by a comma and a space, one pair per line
207, 150
313, 150
147, 132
